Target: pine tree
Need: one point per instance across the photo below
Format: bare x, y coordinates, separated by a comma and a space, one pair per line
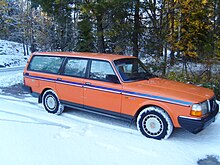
3, 18
192, 27
111, 25
85, 37
60, 11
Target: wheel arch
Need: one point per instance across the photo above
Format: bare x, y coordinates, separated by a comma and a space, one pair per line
149, 104
42, 92
53, 105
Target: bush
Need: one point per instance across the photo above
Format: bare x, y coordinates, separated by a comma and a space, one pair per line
213, 83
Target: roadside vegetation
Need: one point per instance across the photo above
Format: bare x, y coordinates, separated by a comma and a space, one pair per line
204, 80
175, 34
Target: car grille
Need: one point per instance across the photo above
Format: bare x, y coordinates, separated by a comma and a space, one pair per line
212, 104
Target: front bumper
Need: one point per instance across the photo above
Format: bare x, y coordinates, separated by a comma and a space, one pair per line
195, 125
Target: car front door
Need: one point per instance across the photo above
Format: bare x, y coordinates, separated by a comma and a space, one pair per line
101, 91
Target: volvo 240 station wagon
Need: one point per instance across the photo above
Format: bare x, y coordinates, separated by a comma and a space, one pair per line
119, 86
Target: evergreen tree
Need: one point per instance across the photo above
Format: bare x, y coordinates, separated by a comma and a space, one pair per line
85, 35
111, 24
3, 18
60, 11
192, 27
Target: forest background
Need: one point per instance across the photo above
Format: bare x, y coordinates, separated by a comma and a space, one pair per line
176, 39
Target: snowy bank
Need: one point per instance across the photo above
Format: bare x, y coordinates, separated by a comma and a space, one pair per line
11, 54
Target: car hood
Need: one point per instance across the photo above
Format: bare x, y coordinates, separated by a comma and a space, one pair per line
162, 89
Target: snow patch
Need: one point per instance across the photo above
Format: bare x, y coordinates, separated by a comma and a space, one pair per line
218, 102
11, 54
152, 60
10, 78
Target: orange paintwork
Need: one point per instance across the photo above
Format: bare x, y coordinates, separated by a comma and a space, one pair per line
109, 57
101, 99
121, 102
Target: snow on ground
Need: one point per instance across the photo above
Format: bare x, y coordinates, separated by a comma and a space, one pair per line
150, 60
31, 136
15, 77
11, 54
218, 102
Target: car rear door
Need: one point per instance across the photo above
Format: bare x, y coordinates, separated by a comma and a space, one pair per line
70, 82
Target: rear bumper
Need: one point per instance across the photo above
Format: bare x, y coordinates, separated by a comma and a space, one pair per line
34, 94
27, 88
195, 125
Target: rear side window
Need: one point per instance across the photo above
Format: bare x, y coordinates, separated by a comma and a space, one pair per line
75, 67
48, 64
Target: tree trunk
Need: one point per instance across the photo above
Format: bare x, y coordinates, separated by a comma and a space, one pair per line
165, 61
218, 15
136, 29
219, 87
172, 33
27, 49
24, 48
100, 34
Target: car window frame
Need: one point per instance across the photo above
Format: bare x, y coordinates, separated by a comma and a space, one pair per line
89, 70
65, 62
41, 71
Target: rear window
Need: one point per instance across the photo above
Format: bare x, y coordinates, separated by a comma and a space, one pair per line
48, 64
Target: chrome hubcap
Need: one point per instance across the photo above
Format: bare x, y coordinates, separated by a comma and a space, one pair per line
50, 102
153, 125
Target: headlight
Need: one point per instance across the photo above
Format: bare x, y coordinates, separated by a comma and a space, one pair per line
205, 107
199, 109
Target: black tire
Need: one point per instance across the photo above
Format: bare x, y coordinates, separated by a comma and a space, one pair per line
154, 122
51, 102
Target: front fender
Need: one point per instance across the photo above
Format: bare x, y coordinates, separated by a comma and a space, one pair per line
173, 110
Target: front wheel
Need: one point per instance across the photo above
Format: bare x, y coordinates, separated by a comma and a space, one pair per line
154, 122
51, 102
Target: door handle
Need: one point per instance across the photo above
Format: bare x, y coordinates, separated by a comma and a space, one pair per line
88, 83
26, 74
59, 79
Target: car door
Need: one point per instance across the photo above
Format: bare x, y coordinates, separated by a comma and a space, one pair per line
100, 93
70, 82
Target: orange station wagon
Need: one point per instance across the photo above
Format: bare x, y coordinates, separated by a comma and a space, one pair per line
118, 86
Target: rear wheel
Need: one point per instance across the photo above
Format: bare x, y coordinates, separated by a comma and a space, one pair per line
154, 122
51, 102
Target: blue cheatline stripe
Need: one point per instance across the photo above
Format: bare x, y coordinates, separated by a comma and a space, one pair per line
159, 98
113, 90
41, 78
69, 83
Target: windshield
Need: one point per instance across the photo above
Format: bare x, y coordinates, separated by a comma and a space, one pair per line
132, 69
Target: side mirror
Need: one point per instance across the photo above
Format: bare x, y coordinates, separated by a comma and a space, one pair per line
112, 78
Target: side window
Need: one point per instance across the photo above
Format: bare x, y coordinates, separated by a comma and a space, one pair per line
101, 70
75, 67
48, 64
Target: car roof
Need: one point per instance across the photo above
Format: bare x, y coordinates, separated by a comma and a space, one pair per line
101, 56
